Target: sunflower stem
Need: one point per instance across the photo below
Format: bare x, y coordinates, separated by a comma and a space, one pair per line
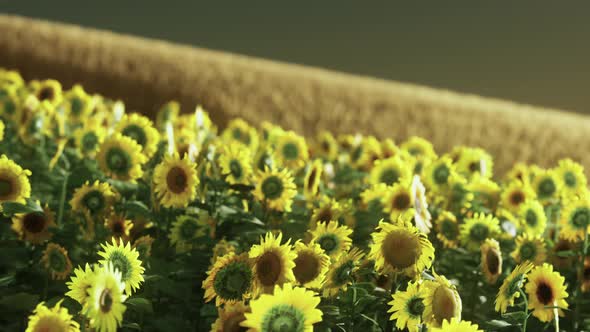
526, 309
583, 253
62, 198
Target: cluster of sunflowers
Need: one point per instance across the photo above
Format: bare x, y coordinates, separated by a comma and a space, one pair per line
174, 226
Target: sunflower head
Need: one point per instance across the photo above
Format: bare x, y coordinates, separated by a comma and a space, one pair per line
79, 283
56, 261
398, 199
575, 219
529, 248
185, 230
547, 185
407, 307
276, 188
328, 209
390, 171
143, 245
515, 194
532, 217
332, 238
34, 227
572, 176
230, 279
93, 199
104, 305
474, 161
126, 260
78, 104
311, 265
140, 129
52, 319
89, 137
14, 181
510, 289
273, 262
312, 179
447, 229
477, 229
167, 114
442, 301
546, 288
491, 260
235, 161
326, 146
120, 157
119, 226
50, 91
240, 131
341, 273
291, 151
438, 174
420, 148
456, 325
175, 181
231, 316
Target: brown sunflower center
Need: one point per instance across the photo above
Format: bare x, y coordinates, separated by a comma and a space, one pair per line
118, 227
401, 201
6, 188
474, 166
400, 249
444, 304
544, 293
46, 93
517, 197
325, 215
269, 268
105, 301
34, 222
586, 273
493, 262
177, 180
232, 323
311, 179
307, 267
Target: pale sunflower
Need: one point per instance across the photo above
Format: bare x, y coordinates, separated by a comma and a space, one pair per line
291, 151
126, 260
326, 146
456, 325
14, 181
79, 284
56, 261
407, 307
236, 163
120, 157
276, 188
56, 319
313, 176
390, 171
547, 185
475, 230
575, 219
175, 181
311, 265
546, 288
34, 226
119, 226
78, 104
398, 199
510, 289
401, 249
230, 318
341, 272
141, 130
529, 248
438, 174
491, 260
93, 199
422, 216
334, 239
185, 230
273, 263
533, 219
572, 176
474, 161
229, 280
89, 137
441, 301
104, 305
287, 309
515, 194
447, 229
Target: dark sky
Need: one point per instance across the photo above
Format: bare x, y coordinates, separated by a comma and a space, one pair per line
535, 52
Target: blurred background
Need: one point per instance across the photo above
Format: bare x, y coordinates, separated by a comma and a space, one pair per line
531, 52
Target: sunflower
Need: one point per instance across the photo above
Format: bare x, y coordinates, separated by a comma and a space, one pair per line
562, 246
104, 306
185, 230
273, 262
263, 158
397, 200
222, 248
14, 181
313, 176
79, 283
93, 199
10, 78
456, 325
270, 132
546, 290
10, 106
365, 153
533, 219
126, 260
585, 275
547, 185
373, 195
239, 130
459, 197
326, 146
401, 249
291, 151
474, 161
52, 319
120, 157
477, 229
34, 226
529, 248
175, 181
89, 137
422, 216
439, 173
341, 272
78, 104
515, 194
575, 219
230, 318
491, 260
420, 148
229, 280
329, 209
276, 189
168, 113
311, 265
441, 301
119, 226
486, 193
407, 307
332, 238
56, 261
50, 91
510, 289
236, 163
390, 149
447, 229
518, 172
141, 130
572, 176
390, 171
143, 245
287, 309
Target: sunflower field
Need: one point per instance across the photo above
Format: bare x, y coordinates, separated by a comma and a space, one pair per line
114, 221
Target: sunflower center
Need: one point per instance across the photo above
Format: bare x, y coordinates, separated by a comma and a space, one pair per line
570, 179
89, 141
94, 201
441, 174
105, 301
474, 166
6, 188
46, 93
268, 268
444, 304
586, 273
325, 215
531, 218
76, 105
416, 307
326, 146
401, 249
177, 180
235, 168
329, 243
479, 232
34, 222
188, 229
581, 218
233, 281
546, 187
9, 107
517, 197
57, 261
401, 201
493, 262
136, 133
307, 267
389, 176
544, 293
232, 323
528, 251
283, 318
118, 228
449, 229
312, 177
121, 263
118, 160
290, 151
272, 187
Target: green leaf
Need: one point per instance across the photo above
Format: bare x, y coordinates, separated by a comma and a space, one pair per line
10, 208
495, 324
19, 302
137, 208
140, 304
132, 326
515, 317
